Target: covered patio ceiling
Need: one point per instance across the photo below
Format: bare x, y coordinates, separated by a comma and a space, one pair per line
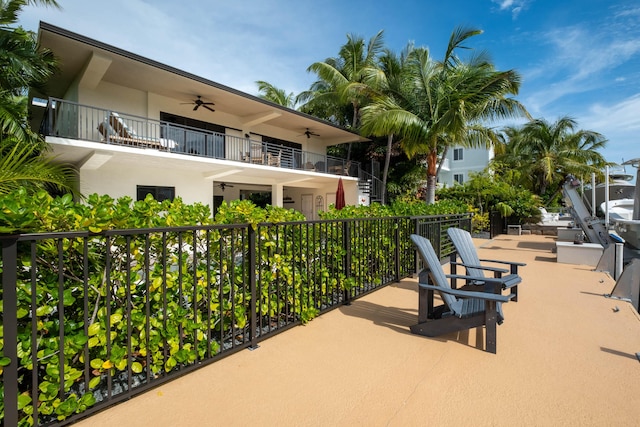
90, 155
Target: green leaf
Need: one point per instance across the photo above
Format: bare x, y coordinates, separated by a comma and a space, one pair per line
88, 399
115, 318
170, 364
23, 400
68, 298
93, 383
96, 363
5, 361
121, 365
136, 367
94, 328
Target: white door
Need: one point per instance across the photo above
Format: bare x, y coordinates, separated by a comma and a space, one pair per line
307, 207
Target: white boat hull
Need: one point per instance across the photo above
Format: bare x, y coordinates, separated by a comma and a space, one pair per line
629, 230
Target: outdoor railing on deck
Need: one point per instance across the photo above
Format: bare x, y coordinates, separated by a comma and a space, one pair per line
89, 320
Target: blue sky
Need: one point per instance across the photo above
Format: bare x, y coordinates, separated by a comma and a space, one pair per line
579, 58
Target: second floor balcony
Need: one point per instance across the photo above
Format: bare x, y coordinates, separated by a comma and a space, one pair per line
71, 120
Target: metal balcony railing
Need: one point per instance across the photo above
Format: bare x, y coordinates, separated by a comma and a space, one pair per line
68, 119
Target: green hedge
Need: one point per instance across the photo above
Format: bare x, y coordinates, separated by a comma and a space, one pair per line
196, 307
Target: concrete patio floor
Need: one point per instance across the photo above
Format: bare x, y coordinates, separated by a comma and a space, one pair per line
565, 357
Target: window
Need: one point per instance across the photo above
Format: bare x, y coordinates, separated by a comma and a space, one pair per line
158, 193
459, 178
457, 154
193, 142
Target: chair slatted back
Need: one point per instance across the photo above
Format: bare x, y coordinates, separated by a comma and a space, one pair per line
464, 245
431, 261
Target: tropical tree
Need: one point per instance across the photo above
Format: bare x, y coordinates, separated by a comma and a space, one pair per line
24, 165
384, 79
444, 103
545, 153
342, 81
22, 152
276, 95
23, 66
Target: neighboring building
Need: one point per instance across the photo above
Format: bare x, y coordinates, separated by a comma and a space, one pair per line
460, 162
133, 126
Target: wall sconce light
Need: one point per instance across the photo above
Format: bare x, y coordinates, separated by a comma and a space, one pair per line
246, 135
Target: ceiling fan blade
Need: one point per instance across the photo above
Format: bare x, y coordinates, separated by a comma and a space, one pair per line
208, 108
196, 107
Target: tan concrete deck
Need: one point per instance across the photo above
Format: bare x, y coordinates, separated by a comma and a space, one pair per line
565, 357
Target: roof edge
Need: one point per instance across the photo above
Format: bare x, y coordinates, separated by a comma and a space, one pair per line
45, 26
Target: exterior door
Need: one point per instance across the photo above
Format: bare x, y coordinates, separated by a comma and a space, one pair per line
307, 207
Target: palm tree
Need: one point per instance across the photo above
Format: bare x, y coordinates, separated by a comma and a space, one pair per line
384, 80
276, 95
552, 151
342, 79
23, 65
22, 159
442, 103
24, 165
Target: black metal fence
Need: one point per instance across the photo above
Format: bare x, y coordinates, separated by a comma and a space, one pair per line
89, 320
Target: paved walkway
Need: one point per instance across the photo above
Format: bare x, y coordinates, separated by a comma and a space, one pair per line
565, 357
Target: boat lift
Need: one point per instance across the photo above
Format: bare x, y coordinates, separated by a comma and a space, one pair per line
593, 227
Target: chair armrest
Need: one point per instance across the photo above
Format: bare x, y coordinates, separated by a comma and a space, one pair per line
469, 294
482, 267
505, 282
519, 264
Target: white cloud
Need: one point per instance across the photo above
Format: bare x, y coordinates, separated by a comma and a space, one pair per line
234, 43
514, 6
579, 60
619, 122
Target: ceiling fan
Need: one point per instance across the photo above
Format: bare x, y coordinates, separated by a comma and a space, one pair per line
223, 185
309, 133
200, 103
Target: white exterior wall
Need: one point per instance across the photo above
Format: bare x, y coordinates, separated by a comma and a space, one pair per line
123, 181
474, 160
191, 187
149, 105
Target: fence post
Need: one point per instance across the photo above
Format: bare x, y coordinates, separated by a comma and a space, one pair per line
10, 324
397, 255
253, 322
346, 243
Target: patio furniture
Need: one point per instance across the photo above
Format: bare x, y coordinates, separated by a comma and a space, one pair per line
273, 159
257, 154
115, 129
465, 248
461, 309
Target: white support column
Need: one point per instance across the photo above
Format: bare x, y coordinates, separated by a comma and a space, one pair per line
277, 194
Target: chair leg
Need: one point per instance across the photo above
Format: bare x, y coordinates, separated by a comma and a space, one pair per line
491, 321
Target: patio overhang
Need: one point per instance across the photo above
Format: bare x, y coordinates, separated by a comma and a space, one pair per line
87, 155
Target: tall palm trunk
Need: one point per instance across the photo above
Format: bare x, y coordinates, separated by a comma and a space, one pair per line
353, 127
432, 169
385, 171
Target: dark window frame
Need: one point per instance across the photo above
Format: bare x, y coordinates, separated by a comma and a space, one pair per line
160, 193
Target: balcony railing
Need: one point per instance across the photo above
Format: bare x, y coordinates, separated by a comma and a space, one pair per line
68, 119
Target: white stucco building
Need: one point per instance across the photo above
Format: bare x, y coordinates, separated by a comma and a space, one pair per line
132, 126
460, 162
